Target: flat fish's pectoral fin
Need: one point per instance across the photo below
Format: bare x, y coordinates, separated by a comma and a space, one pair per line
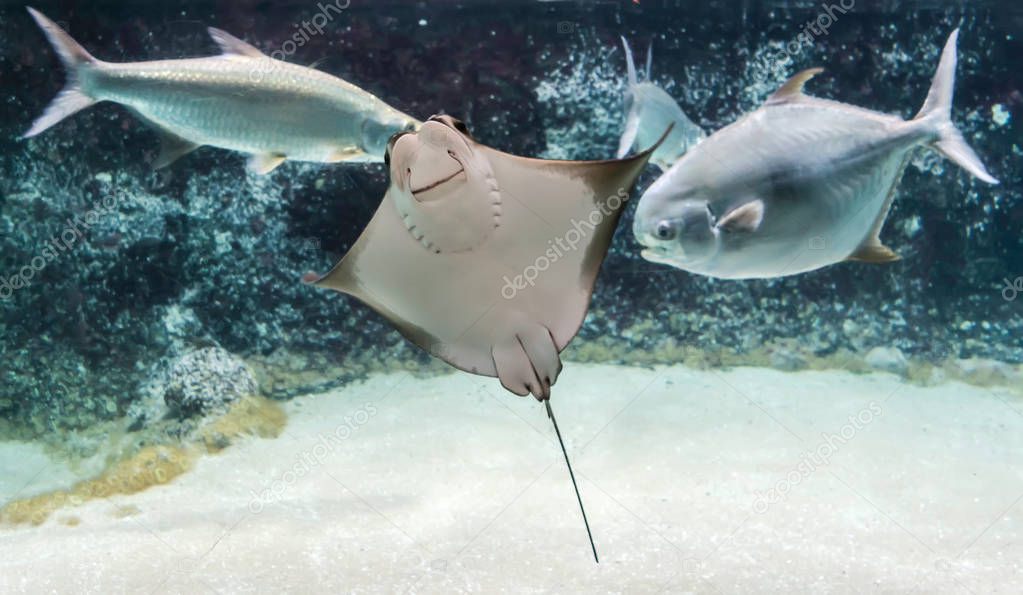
172, 148
873, 252
792, 90
264, 163
747, 217
232, 46
528, 362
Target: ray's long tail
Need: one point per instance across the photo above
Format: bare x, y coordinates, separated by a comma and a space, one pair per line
72, 98
937, 110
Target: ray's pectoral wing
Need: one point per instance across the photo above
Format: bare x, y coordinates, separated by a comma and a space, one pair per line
564, 215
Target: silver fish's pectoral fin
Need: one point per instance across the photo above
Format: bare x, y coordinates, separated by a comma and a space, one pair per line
747, 217
346, 154
265, 163
873, 251
232, 46
792, 90
172, 148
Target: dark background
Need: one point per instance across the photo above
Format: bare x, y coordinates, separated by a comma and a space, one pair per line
205, 253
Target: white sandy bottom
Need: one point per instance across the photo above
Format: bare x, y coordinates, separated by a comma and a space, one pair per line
694, 481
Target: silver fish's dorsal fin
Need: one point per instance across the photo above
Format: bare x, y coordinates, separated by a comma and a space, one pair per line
649, 58
793, 88
232, 46
630, 65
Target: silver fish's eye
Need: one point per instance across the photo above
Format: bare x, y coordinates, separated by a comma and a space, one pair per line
665, 231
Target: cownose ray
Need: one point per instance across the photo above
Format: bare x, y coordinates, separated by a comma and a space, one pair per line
484, 259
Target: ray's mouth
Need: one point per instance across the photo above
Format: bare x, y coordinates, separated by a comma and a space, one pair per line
432, 185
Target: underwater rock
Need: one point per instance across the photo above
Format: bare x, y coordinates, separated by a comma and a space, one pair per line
207, 380
887, 359
787, 360
984, 371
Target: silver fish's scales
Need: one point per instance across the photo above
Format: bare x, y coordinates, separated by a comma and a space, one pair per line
241, 100
214, 101
799, 184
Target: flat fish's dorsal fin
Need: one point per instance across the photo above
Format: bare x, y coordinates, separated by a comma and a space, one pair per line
793, 88
232, 46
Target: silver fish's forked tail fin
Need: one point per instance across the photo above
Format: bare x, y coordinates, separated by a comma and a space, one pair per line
938, 110
74, 57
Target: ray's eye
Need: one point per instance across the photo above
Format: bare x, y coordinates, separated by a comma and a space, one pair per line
390, 145
460, 126
665, 230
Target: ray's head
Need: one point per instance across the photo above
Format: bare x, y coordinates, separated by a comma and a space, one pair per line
443, 185
675, 229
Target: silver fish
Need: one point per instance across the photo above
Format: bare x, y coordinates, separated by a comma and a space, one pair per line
241, 100
650, 112
799, 184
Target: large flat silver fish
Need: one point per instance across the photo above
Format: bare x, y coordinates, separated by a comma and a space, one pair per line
241, 100
798, 184
651, 111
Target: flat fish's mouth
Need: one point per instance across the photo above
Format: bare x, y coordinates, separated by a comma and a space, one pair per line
418, 191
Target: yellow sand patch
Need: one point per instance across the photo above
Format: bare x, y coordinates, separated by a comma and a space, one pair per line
154, 465
251, 416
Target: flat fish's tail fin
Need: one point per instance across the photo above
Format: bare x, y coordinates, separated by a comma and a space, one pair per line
72, 97
937, 109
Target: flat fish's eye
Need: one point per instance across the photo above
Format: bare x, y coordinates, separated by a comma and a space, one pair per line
665, 231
